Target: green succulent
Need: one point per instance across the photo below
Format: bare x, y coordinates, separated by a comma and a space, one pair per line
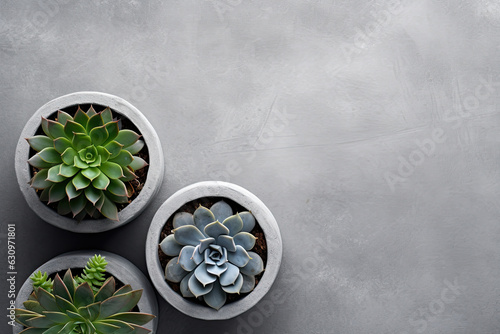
93, 273
83, 163
41, 281
72, 308
212, 259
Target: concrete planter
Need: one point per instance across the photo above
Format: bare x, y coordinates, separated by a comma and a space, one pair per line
120, 106
244, 198
122, 269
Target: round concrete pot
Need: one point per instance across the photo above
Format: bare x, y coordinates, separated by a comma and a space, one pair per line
119, 106
265, 220
119, 267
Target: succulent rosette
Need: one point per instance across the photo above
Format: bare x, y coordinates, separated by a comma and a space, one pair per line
83, 163
210, 258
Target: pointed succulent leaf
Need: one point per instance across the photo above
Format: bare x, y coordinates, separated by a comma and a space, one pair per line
71, 191
39, 181
57, 192
248, 221
126, 137
46, 300
78, 162
45, 127
37, 162
113, 148
84, 295
188, 235
90, 208
197, 255
116, 199
198, 289
182, 218
215, 298
239, 258
107, 115
69, 282
80, 181
77, 204
94, 122
216, 229
103, 153
76, 316
123, 290
57, 317
50, 155
202, 217
101, 182
255, 266
230, 275
171, 247
128, 175
91, 173
54, 175
99, 135
203, 276
227, 242
248, 283
55, 129
235, 287
120, 303
217, 270
245, 240
68, 156
109, 209
44, 195
106, 328
204, 243
117, 187
67, 170
81, 117
33, 306
97, 162
234, 224
113, 129
67, 328
124, 158
184, 286
63, 207
93, 194
221, 210
61, 144
90, 312
40, 142
106, 290
136, 318
173, 271
91, 112
138, 163
40, 322
72, 127
63, 117
80, 141
112, 170
186, 258
135, 147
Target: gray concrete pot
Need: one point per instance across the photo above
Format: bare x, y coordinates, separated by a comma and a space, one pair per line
119, 267
120, 106
264, 218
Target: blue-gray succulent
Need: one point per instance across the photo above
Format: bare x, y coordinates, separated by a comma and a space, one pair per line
210, 258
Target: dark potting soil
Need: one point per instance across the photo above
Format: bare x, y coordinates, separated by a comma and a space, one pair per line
259, 248
134, 186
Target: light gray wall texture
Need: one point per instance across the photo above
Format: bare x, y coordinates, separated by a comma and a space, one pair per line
369, 128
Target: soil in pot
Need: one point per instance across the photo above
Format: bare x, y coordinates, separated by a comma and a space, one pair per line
259, 248
135, 186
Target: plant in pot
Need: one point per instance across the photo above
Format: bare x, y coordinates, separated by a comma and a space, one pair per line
92, 162
92, 301
213, 250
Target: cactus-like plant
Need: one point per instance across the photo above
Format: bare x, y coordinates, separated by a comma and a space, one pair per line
74, 308
93, 273
84, 161
210, 258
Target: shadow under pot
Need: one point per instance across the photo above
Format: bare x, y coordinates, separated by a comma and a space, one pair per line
213, 250
88, 162
123, 300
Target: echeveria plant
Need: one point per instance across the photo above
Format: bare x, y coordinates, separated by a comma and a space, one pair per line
83, 163
65, 306
212, 259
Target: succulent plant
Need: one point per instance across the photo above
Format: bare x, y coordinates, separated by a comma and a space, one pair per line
72, 308
93, 273
210, 258
84, 161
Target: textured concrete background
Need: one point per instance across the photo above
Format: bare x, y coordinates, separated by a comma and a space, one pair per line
369, 128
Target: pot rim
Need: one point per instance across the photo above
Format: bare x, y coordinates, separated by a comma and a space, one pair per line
265, 220
153, 180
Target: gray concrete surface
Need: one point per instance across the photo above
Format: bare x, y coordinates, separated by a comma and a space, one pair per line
369, 128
